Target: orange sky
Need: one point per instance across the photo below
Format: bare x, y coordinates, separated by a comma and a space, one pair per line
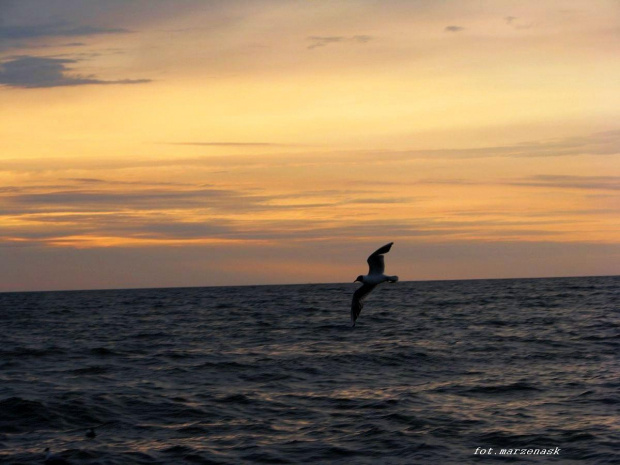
153, 143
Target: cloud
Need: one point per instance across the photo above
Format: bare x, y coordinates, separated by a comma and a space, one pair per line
96, 208
323, 41
71, 228
454, 29
55, 30
107, 200
601, 143
611, 183
99, 195
548, 181
35, 72
512, 21
231, 144
72, 216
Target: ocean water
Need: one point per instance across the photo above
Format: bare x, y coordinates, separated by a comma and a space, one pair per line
432, 372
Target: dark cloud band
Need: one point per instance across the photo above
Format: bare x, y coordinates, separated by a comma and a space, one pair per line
35, 72
54, 30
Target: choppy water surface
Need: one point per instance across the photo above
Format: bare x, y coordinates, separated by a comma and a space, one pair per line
275, 374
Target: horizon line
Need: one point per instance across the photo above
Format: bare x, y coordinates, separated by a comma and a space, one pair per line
303, 284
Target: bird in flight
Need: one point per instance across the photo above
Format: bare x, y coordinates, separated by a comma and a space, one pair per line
375, 276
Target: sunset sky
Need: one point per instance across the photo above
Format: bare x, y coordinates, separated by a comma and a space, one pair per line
151, 143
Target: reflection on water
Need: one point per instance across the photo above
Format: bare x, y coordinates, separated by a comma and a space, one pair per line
275, 374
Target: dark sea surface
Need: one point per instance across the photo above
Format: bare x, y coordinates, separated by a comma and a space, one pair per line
276, 374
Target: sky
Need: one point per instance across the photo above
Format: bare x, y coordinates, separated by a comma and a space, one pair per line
150, 143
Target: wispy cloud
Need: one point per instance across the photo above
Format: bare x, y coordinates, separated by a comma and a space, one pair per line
454, 29
602, 144
548, 181
92, 212
94, 208
67, 228
35, 72
79, 199
323, 41
48, 30
572, 182
93, 194
512, 21
230, 144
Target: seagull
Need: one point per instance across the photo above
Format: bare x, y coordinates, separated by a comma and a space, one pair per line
53, 459
375, 276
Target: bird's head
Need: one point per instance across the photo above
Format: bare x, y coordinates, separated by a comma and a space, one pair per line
360, 279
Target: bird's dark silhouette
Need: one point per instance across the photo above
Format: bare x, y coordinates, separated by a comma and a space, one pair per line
375, 276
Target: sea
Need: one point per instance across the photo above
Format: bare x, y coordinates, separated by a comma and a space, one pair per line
443, 372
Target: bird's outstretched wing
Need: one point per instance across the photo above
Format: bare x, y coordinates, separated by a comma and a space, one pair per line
376, 265
358, 300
